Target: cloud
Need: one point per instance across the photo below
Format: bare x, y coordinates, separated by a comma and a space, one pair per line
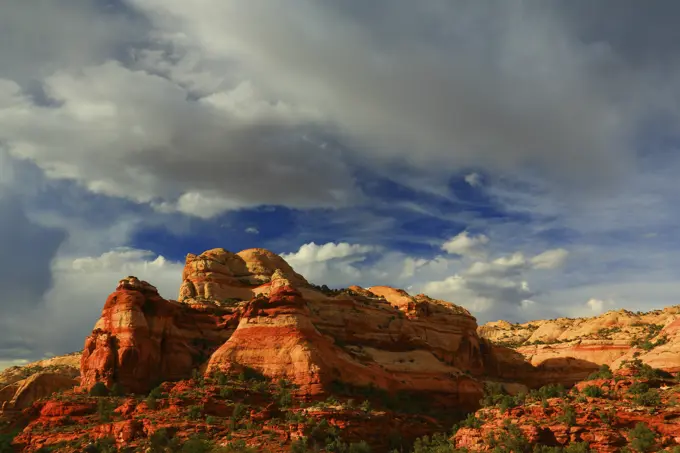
433, 86
550, 259
490, 288
26, 251
252, 230
597, 305
312, 253
464, 244
74, 303
504, 89
123, 133
473, 179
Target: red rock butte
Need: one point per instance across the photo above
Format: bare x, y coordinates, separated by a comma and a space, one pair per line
252, 310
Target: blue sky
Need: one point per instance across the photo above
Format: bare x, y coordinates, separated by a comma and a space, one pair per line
518, 159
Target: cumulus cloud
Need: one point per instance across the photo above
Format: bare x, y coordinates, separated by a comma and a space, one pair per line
550, 259
125, 133
313, 253
252, 230
498, 285
206, 102
464, 244
332, 264
474, 179
598, 305
74, 302
26, 251
489, 288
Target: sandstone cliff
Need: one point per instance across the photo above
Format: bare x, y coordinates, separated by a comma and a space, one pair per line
251, 310
142, 339
20, 386
574, 348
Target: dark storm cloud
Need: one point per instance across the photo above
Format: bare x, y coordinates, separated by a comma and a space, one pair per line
26, 252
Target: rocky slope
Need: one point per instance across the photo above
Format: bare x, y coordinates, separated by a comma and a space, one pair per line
254, 356
20, 386
586, 343
252, 311
635, 408
142, 339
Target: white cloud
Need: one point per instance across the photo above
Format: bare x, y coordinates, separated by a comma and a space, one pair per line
550, 259
252, 230
312, 253
81, 286
474, 179
598, 305
464, 244
124, 133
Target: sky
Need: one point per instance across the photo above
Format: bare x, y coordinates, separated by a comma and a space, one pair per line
516, 158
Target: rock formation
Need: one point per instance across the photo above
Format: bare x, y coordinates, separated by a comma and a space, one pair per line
20, 386
573, 348
24, 393
250, 340
254, 311
142, 339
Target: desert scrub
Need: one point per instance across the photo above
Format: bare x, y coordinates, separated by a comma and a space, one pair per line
603, 373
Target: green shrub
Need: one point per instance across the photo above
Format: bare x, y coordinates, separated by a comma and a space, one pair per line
226, 392
283, 397
117, 390
197, 445
220, 377
195, 411
239, 410
105, 445
299, 445
593, 391
569, 416
151, 402
104, 410
607, 417
642, 438
603, 373
99, 389
157, 392
649, 398
578, 447
439, 443
506, 403
493, 394
6, 442
237, 446
160, 442
472, 421
552, 391
510, 440
359, 447
638, 388
251, 374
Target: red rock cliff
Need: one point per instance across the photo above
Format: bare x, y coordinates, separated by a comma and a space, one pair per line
142, 339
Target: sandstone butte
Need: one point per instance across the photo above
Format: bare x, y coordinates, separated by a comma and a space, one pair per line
251, 355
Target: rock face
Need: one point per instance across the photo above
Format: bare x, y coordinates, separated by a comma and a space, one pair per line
142, 339
219, 276
573, 348
24, 393
317, 341
254, 311
603, 420
20, 386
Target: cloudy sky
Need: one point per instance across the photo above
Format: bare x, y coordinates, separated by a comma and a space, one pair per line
517, 158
